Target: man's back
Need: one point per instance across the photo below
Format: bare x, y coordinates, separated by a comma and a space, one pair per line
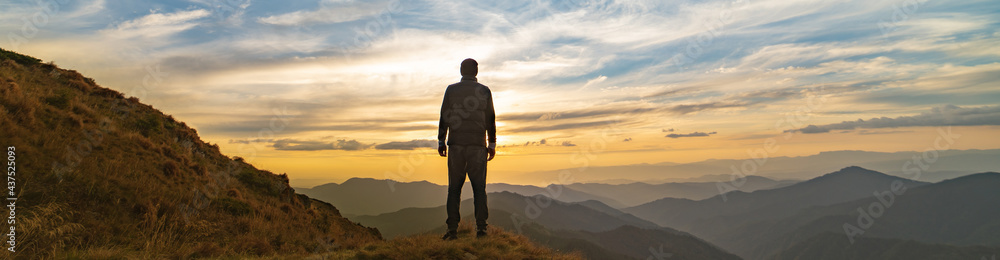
467, 112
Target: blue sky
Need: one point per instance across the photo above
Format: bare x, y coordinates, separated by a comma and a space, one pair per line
344, 77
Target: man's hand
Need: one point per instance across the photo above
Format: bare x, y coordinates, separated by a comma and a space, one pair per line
443, 150
492, 150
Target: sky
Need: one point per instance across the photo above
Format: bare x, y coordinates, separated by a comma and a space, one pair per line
333, 89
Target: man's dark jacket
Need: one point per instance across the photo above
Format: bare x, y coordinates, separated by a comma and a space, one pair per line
467, 111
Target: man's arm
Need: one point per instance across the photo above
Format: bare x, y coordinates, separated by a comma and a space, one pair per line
443, 127
491, 126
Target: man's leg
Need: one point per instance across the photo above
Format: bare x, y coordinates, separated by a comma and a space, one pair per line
456, 178
476, 166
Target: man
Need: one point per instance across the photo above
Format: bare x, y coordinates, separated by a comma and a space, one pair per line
467, 113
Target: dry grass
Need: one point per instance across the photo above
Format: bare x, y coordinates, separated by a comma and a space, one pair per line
499, 244
106, 177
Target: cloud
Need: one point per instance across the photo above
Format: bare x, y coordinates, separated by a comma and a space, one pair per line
697, 107
694, 134
866, 132
595, 81
408, 145
546, 142
615, 110
289, 144
667, 130
331, 11
158, 24
249, 141
305, 145
949, 115
673, 92
542, 128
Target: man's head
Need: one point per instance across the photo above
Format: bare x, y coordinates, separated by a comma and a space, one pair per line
469, 68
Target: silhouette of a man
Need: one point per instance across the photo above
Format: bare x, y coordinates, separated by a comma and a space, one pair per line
469, 123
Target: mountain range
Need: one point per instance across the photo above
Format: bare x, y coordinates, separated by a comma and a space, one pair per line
384, 196
853, 202
589, 227
789, 221
949, 164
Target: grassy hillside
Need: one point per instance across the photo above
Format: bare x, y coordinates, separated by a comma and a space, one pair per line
499, 244
103, 176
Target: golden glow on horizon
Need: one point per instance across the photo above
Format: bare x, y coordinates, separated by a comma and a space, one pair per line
513, 160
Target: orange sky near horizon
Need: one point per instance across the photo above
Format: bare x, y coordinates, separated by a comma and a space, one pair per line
307, 169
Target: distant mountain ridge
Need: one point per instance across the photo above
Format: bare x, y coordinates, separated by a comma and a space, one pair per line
844, 185
762, 224
384, 196
379, 196
595, 229
950, 164
636, 193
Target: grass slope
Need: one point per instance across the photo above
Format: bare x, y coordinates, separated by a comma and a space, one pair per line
498, 244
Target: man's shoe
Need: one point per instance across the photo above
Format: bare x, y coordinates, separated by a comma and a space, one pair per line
481, 233
451, 235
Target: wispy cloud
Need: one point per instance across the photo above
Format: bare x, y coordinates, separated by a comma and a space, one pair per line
158, 24
408, 145
308, 145
331, 11
693, 134
939, 116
